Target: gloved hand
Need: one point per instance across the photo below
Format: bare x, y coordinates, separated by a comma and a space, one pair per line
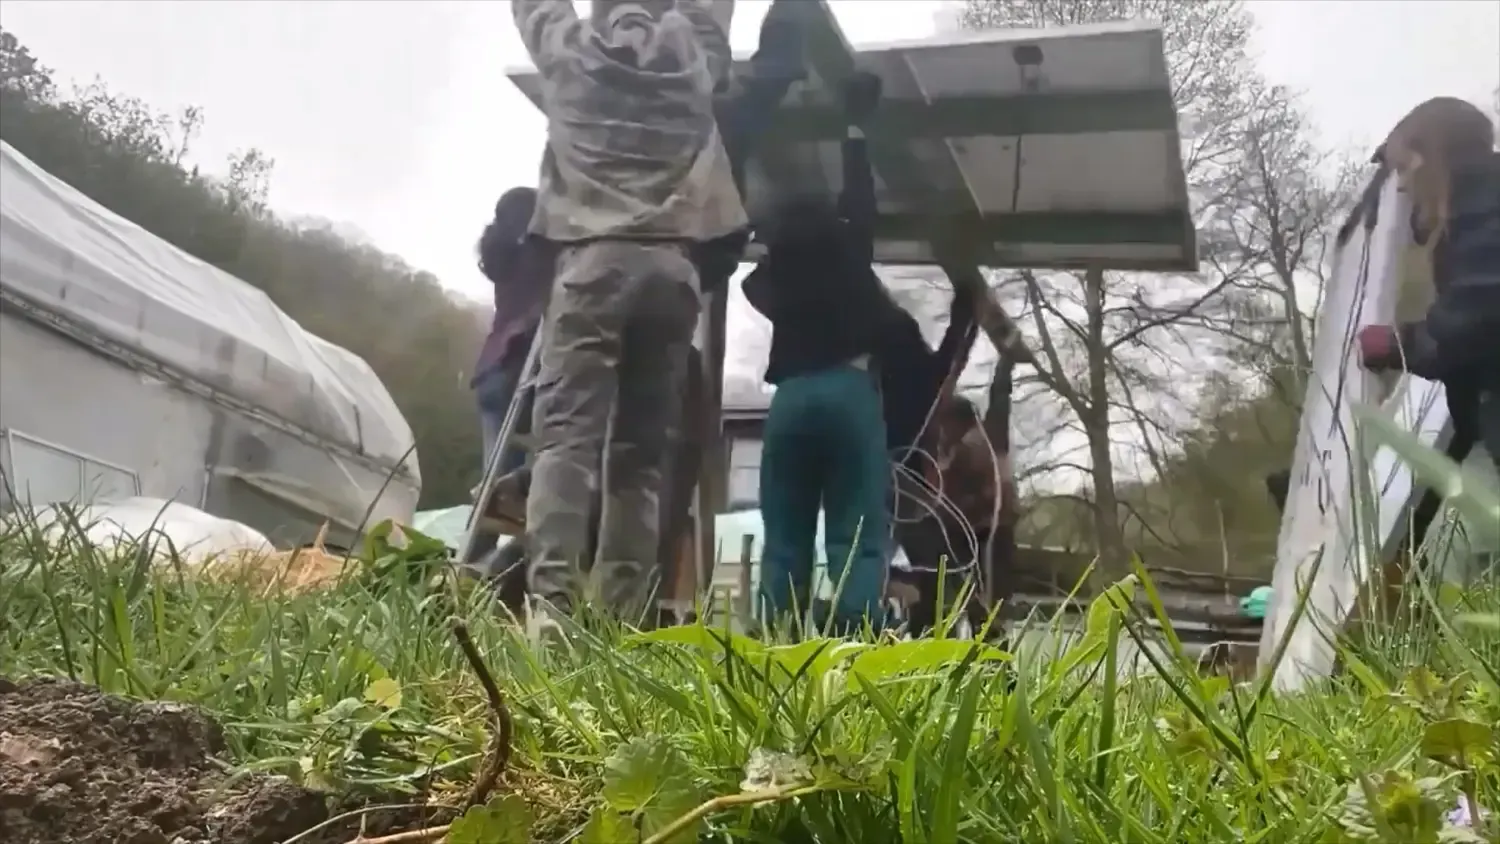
1379, 348
861, 95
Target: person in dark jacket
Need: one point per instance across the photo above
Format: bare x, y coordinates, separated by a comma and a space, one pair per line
520, 269
1458, 342
825, 437
913, 376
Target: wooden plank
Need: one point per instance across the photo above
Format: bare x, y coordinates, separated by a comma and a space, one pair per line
710, 497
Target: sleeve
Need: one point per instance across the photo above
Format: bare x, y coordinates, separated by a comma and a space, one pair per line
1461, 332
997, 412
710, 20
776, 65
958, 338
857, 197
746, 115
540, 22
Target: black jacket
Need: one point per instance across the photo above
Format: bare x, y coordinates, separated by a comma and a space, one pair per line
1458, 343
911, 374
824, 301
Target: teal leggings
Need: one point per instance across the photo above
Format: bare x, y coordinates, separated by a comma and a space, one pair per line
825, 446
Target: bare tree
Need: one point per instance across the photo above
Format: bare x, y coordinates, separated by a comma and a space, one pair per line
1119, 349
1275, 228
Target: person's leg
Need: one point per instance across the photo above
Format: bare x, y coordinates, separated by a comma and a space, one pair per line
494, 391
790, 496
663, 311
575, 394
856, 522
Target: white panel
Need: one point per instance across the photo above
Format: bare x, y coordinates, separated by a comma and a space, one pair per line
1120, 171
988, 165
1321, 503
1107, 57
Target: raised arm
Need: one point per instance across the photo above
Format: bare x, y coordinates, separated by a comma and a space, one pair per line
959, 337
857, 197
997, 412
745, 114
541, 22
710, 20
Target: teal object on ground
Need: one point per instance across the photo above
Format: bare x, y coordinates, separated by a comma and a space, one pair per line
1255, 604
446, 524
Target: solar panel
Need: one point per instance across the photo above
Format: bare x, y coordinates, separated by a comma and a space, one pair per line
1053, 148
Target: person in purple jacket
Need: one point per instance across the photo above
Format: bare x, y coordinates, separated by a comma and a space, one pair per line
521, 269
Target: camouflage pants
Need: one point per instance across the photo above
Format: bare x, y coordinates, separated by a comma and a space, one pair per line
616, 338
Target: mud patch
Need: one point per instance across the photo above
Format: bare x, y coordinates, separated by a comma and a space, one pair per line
80, 766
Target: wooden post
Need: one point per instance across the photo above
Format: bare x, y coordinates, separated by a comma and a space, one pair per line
711, 474
746, 584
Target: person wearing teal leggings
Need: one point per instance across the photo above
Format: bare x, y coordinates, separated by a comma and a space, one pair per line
825, 438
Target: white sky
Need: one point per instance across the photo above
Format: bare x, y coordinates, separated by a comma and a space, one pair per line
396, 117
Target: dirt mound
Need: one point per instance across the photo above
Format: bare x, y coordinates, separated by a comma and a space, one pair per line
84, 767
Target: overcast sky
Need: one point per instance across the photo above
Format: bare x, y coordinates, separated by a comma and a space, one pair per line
396, 117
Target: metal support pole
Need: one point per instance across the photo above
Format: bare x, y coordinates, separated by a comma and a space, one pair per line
472, 529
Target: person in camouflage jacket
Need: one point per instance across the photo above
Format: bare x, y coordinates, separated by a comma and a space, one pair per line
634, 181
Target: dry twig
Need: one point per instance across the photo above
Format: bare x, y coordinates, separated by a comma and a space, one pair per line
497, 755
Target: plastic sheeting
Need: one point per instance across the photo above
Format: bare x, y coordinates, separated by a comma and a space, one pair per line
65, 254
195, 536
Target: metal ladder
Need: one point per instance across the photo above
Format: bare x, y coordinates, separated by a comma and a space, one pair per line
480, 524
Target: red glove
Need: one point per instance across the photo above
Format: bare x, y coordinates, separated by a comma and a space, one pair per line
1379, 348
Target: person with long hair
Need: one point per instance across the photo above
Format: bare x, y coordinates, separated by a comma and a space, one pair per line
1444, 154
825, 437
519, 269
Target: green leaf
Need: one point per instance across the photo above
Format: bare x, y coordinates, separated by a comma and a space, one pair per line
384, 693
503, 820
1117, 598
1476, 500
815, 655
1479, 621
653, 781
607, 826
1460, 835
1458, 741
698, 636
921, 655
843, 768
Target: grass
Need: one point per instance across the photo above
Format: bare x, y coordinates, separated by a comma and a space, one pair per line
692, 733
